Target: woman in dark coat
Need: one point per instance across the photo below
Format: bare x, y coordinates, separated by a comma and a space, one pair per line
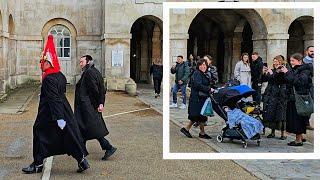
275, 99
299, 78
156, 70
200, 89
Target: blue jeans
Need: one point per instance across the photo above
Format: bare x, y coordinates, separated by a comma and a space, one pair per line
175, 90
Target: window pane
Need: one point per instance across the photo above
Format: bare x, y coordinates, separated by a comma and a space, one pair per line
66, 32
66, 52
53, 31
59, 41
59, 51
66, 42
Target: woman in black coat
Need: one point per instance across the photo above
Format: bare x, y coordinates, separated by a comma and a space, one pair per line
156, 70
299, 78
200, 89
275, 99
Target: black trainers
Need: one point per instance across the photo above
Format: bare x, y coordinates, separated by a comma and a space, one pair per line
294, 143
32, 168
271, 135
83, 165
186, 132
205, 136
108, 153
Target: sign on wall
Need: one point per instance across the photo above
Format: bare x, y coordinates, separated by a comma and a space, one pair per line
117, 58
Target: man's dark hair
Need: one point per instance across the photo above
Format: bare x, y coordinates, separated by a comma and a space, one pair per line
180, 56
309, 47
255, 53
88, 57
200, 62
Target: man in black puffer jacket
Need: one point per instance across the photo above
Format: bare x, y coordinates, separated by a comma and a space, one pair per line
256, 74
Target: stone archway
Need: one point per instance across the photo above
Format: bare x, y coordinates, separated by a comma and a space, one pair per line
225, 34
301, 35
145, 47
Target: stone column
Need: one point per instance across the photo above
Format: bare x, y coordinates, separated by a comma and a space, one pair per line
236, 51
118, 76
227, 58
276, 45
2, 65
178, 46
260, 46
308, 40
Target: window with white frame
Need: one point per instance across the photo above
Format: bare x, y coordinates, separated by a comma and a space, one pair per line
62, 40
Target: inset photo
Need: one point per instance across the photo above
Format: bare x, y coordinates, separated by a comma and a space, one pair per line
241, 78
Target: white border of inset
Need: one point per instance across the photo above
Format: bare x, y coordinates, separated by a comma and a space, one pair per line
238, 5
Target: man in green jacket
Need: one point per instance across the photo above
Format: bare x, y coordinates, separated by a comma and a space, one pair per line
181, 71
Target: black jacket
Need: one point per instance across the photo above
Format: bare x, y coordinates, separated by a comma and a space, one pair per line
256, 70
48, 138
90, 92
156, 71
300, 78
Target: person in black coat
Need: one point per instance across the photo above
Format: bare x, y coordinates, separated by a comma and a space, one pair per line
256, 73
156, 70
55, 130
89, 104
300, 80
275, 99
200, 89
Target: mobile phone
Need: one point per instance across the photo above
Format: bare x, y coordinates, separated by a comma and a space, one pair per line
265, 64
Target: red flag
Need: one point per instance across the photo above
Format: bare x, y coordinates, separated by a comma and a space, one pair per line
49, 54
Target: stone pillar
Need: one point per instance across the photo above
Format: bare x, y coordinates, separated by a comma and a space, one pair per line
156, 44
236, 51
308, 40
276, 45
117, 76
227, 58
178, 46
2, 65
144, 57
213, 50
260, 46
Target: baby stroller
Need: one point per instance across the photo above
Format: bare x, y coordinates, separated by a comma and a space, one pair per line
229, 97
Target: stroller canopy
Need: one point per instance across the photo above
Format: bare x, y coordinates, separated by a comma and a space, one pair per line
231, 95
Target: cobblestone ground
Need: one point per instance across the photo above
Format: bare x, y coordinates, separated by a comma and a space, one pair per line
265, 169
138, 137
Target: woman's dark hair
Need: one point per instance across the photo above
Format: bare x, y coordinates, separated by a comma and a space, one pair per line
297, 56
200, 62
244, 54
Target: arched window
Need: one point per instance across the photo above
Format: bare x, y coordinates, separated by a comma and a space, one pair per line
62, 40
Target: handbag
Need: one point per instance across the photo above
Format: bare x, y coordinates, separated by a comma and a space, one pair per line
206, 109
304, 104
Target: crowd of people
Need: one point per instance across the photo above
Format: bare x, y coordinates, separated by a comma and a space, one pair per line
285, 80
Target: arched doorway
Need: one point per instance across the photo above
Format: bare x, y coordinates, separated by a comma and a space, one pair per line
300, 35
145, 47
224, 34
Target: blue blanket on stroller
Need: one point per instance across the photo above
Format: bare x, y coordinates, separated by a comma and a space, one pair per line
250, 125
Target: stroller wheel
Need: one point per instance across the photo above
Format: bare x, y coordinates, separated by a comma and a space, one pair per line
220, 138
244, 145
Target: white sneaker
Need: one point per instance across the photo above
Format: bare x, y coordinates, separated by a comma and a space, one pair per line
173, 105
183, 106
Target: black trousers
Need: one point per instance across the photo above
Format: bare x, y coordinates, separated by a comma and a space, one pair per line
257, 96
105, 144
157, 85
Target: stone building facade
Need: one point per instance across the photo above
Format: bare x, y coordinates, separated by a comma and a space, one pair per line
226, 33
123, 36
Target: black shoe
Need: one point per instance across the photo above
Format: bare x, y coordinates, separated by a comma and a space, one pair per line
294, 143
283, 138
205, 136
108, 153
186, 132
271, 135
83, 165
32, 168
304, 140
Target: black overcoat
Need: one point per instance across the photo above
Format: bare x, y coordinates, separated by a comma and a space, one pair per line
275, 97
48, 138
90, 92
200, 82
